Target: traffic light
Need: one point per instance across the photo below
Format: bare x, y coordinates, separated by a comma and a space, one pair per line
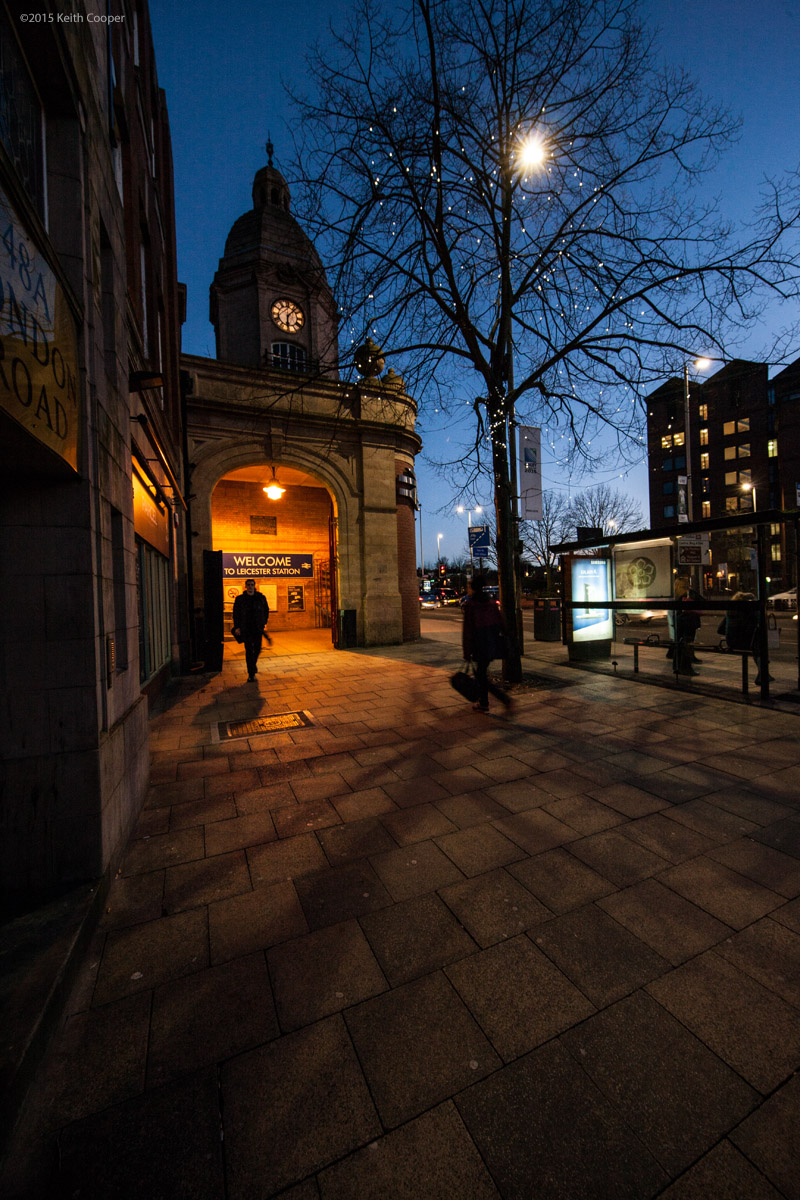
442, 568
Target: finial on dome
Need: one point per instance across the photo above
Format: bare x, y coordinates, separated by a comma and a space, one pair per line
270, 149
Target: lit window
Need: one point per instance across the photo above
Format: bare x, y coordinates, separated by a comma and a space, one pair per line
730, 452
666, 442
732, 503
775, 530
706, 509
669, 510
288, 357
731, 479
743, 426
772, 448
775, 552
744, 477
704, 462
703, 437
702, 412
678, 439
729, 429
705, 485
744, 450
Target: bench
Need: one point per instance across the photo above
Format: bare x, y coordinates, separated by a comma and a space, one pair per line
720, 648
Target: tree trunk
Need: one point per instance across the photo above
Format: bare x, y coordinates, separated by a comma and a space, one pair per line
506, 556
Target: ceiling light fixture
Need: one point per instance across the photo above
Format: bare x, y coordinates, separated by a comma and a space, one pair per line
273, 489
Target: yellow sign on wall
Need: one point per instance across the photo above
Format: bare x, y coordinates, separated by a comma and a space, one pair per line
38, 343
149, 520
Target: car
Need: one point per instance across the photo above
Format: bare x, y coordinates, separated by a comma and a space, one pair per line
429, 600
783, 601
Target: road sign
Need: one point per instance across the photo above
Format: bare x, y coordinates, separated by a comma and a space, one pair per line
480, 551
479, 539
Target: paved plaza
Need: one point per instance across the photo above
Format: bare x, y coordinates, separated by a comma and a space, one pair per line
408, 950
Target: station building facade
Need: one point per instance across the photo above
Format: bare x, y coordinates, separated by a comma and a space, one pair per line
93, 613
297, 477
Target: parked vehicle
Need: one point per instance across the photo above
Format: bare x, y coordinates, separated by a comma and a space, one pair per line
429, 600
783, 601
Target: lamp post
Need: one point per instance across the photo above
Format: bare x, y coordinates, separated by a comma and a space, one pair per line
700, 365
750, 487
470, 511
439, 537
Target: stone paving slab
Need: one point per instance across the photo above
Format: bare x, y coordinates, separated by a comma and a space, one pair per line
411, 951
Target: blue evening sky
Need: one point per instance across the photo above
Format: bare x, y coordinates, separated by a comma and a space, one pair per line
221, 66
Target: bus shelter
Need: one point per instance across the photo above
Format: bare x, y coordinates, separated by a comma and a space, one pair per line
648, 603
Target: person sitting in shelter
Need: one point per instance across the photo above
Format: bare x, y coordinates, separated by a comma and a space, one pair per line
740, 628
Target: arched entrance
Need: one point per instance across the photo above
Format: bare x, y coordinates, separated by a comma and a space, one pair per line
286, 539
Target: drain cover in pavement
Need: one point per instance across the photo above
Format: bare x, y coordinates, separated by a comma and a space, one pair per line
271, 724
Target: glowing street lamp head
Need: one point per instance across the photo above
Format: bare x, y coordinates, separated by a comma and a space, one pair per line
273, 491
702, 364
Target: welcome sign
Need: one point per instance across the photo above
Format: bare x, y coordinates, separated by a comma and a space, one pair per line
267, 566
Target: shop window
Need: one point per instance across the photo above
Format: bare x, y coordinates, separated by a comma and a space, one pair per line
772, 448
118, 576
152, 585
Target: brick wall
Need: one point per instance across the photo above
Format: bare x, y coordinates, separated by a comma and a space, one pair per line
302, 521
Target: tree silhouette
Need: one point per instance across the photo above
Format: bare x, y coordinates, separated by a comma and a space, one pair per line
517, 290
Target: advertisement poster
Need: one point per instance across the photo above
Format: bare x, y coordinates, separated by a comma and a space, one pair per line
590, 584
642, 574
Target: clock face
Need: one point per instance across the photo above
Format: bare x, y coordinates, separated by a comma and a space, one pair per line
288, 316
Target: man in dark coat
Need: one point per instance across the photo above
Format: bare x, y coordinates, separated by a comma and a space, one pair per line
250, 616
481, 639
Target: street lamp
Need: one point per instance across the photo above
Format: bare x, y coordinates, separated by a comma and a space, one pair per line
750, 487
439, 537
700, 364
469, 512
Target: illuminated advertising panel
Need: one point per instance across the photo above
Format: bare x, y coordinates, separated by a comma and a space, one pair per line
591, 584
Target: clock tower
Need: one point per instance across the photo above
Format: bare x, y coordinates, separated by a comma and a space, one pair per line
271, 306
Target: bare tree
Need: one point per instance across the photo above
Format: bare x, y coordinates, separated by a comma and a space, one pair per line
533, 291
539, 536
603, 507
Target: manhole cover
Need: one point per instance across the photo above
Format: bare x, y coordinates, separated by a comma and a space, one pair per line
271, 724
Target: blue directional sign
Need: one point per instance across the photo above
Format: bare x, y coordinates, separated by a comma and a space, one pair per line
479, 539
480, 551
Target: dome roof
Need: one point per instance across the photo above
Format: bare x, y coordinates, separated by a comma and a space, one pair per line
269, 231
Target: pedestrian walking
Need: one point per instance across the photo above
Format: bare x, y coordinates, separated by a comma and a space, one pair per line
250, 616
482, 638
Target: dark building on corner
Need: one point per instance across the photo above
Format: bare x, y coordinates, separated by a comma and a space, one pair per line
742, 451
93, 611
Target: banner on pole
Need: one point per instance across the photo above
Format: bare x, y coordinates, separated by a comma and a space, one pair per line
530, 473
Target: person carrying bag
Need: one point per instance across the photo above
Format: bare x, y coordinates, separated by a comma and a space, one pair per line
483, 639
